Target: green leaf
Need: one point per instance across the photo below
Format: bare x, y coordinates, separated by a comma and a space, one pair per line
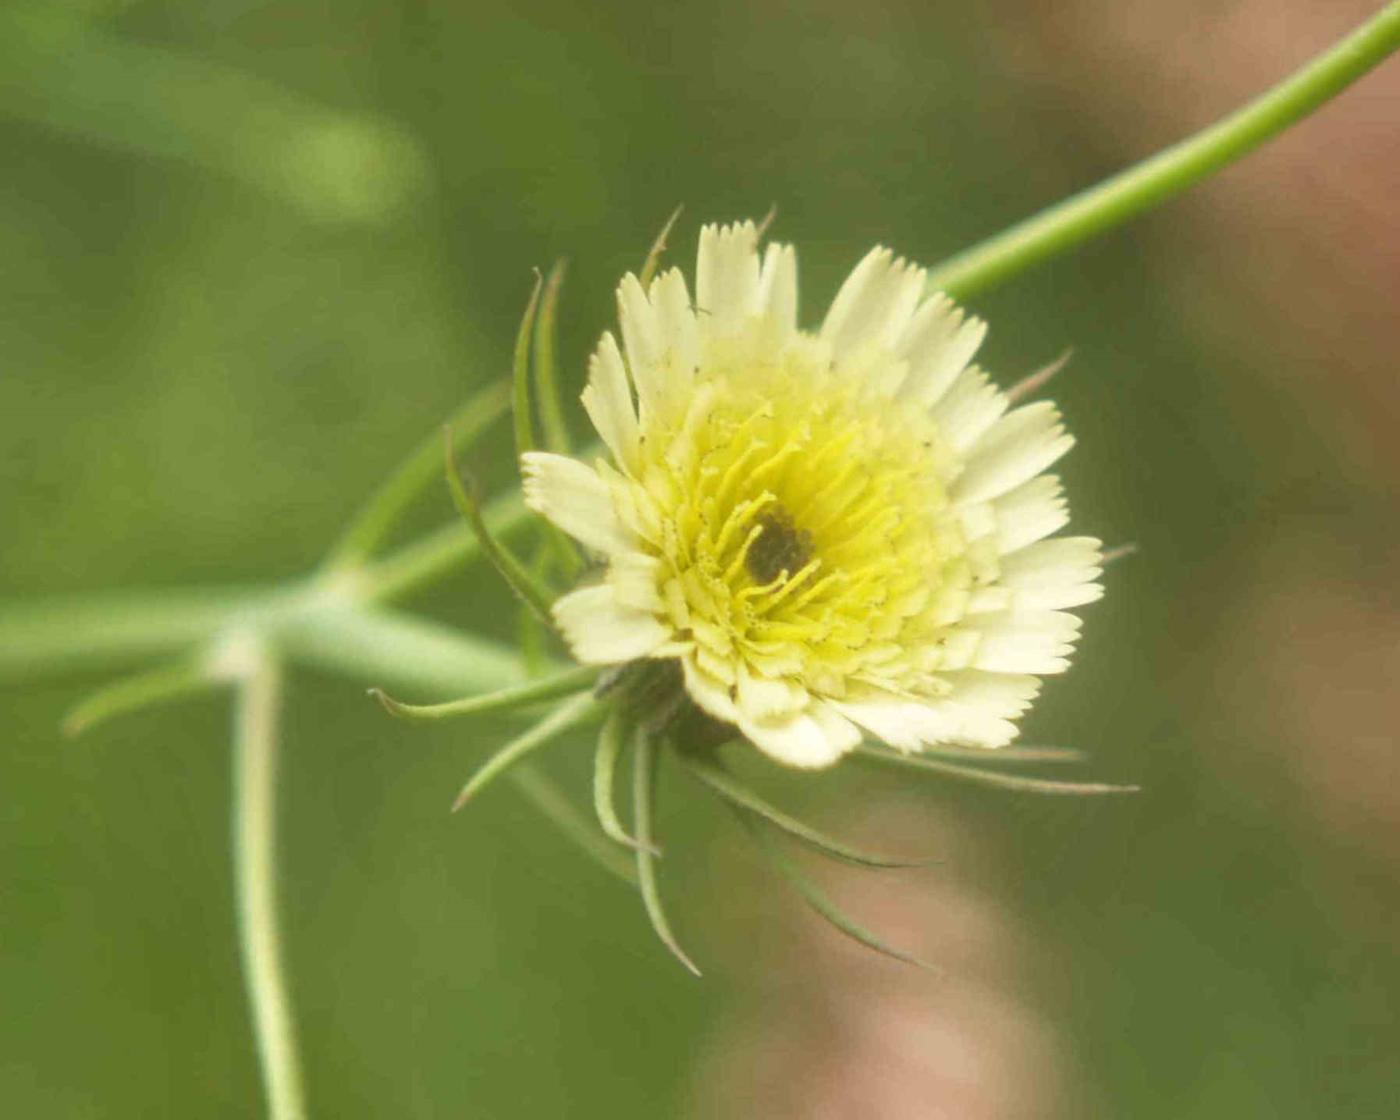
610, 741
744, 798
991, 757
994, 778
520, 375
517, 576
644, 804
43, 636
816, 899
568, 714
446, 549
566, 683
141, 690
544, 793
556, 428
387, 504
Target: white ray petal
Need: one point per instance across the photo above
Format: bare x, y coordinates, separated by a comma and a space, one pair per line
982, 707
636, 578
1025, 641
602, 631
571, 495
777, 289
901, 722
874, 305
1019, 446
809, 740
969, 408
708, 691
1030, 512
1053, 574
608, 401
680, 334
644, 344
726, 278
940, 343
764, 698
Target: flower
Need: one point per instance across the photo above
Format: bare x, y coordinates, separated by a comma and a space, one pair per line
836, 532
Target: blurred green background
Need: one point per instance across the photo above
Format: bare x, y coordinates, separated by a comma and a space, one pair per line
253, 251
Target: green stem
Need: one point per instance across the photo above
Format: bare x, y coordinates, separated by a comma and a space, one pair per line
568, 714
131, 694
424, 562
517, 576
254, 833
546, 796
415, 474
46, 636
393, 649
1172, 171
644, 759
556, 428
520, 376
565, 683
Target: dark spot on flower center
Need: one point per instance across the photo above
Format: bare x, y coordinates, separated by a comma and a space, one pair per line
781, 547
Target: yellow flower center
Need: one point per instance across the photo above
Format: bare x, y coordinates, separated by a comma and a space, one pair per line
804, 529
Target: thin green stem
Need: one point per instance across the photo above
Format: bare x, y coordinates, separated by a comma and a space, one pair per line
443, 551
1172, 171
556, 427
142, 690
531, 632
644, 759
46, 636
254, 851
518, 577
610, 743
520, 375
568, 714
815, 897
978, 776
502, 700
744, 798
393, 648
544, 793
420, 470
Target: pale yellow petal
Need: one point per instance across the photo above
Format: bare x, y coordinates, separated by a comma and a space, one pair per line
608, 402
574, 498
726, 278
602, 631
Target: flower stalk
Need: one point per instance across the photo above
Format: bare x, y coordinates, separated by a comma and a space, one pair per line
1169, 172
254, 850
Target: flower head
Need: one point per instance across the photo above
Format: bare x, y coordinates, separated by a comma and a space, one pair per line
835, 532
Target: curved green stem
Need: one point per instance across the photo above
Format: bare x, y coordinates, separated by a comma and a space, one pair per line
568, 714
131, 694
976, 775
415, 474
45, 636
644, 759
1174, 170
420, 564
254, 850
520, 376
564, 683
556, 427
